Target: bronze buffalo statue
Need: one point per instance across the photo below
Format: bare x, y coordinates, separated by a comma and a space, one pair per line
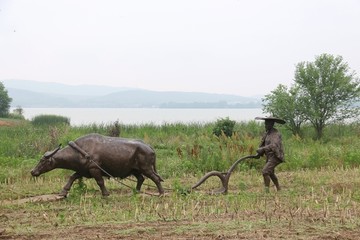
95, 156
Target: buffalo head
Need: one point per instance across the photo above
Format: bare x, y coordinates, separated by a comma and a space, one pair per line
45, 164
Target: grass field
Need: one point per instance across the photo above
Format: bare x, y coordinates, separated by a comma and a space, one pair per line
320, 197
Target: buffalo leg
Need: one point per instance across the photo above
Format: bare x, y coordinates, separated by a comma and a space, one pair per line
96, 173
157, 180
70, 182
140, 180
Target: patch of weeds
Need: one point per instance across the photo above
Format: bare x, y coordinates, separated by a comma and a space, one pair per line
356, 196
180, 189
61, 217
78, 189
242, 186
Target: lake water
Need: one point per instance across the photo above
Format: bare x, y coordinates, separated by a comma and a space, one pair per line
158, 116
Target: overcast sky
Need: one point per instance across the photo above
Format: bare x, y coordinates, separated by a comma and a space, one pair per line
224, 46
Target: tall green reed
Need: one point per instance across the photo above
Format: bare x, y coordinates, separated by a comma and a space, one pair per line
190, 148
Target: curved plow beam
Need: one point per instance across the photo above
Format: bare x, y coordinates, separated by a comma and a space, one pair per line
224, 177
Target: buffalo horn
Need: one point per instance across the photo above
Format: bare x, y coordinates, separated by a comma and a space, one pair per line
50, 154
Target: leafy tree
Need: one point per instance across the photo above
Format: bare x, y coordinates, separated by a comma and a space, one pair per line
328, 90
286, 104
18, 111
5, 101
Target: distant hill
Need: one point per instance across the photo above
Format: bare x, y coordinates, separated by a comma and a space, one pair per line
39, 94
60, 88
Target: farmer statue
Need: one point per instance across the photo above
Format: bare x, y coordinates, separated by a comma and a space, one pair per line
271, 146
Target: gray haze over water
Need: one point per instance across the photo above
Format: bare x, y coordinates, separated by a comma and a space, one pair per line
138, 116
236, 47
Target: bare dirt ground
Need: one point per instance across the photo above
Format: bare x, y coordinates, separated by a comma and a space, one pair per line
246, 225
166, 231
5, 123
172, 230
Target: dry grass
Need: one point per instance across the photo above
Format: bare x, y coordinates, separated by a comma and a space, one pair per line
321, 204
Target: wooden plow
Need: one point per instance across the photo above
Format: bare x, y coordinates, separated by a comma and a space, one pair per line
224, 176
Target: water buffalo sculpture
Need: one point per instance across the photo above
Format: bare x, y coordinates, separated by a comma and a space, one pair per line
95, 156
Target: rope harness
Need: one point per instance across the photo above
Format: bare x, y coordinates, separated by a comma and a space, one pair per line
224, 176
87, 156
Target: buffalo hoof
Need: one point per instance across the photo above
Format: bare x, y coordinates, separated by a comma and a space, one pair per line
106, 194
219, 191
63, 193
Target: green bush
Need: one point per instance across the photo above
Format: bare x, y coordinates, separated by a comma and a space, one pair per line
16, 116
224, 126
50, 120
114, 129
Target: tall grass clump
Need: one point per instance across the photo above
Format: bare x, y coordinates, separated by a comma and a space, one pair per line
24, 140
192, 148
50, 120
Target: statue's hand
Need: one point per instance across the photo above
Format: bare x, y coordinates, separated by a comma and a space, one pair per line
259, 153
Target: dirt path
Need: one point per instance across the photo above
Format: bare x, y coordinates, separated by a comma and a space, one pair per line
40, 198
5, 123
185, 230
